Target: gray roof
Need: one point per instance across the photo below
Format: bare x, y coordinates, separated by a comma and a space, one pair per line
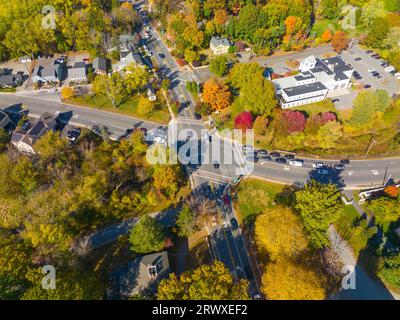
305, 88
77, 73
10, 79
215, 41
49, 71
100, 63
304, 76
139, 276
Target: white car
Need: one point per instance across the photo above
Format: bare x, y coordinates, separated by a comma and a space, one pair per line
54, 89
317, 165
371, 70
296, 163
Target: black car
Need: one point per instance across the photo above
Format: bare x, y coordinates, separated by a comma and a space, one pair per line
26, 125
368, 51
367, 86
252, 157
345, 161
234, 224
280, 160
249, 272
161, 55
338, 166
358, 59
216, 165
289, 156
275, 154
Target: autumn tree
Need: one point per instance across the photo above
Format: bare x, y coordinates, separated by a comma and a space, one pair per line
280, 232
244, 120
392, 191
4, 139
216, 94
207, 282
111, 87
292, 122
260, 125
288, 280
340, 41
147, 235
136, 78
67, 93
145, 107
318, 205
326, 36
167, 178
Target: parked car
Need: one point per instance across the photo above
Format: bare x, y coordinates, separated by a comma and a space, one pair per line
74, 134
161, 55
247, 148
289, 156
26, 125
252, 157
367, 86
345, 161
280, 160
265, 160
234, 224
368, 51
335, 100
275, 154
262, 153
358, 59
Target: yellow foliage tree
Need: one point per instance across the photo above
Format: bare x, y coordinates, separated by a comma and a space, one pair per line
279, 232
287, 280
67, 92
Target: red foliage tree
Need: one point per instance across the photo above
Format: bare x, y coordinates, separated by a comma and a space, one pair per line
244, 120
293, 121
392, 191
327, 116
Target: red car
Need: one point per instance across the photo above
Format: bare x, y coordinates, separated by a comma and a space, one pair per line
226, 199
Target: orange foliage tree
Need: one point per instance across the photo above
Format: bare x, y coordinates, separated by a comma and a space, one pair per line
220, 17
340, 41
216, 94
392, 191
326, 36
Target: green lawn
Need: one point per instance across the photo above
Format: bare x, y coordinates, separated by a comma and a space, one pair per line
320, 26
317, 107
128, 107
254, 196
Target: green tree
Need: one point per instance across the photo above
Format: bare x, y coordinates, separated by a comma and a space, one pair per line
51, 146
136, 78
328, 134
207, 282
219, 66
147, 235
186, 222
4, 139
389, 269
318, 205
24, 175
111, 87
386, 210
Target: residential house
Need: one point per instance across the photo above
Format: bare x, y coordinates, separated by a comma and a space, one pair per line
10, 80
77, 75
50, 74
100, 65
316, 79
219, 45
25, 140
5, 120
127, 60
139, 276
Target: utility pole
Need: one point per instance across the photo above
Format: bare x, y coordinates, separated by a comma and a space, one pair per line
371, 143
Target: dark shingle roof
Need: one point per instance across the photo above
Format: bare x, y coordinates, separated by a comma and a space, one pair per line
305, 88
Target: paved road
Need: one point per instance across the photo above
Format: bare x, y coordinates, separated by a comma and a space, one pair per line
111, 233
116, 124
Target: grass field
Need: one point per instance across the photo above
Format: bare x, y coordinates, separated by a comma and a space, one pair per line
8, 90
254, 196
128, 107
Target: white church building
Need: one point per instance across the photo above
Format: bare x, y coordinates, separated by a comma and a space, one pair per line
317, 77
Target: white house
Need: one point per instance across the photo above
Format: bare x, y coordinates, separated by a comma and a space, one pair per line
317, 77
127, 60
219, 45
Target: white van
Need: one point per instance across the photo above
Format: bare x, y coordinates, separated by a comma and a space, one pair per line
296, 163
